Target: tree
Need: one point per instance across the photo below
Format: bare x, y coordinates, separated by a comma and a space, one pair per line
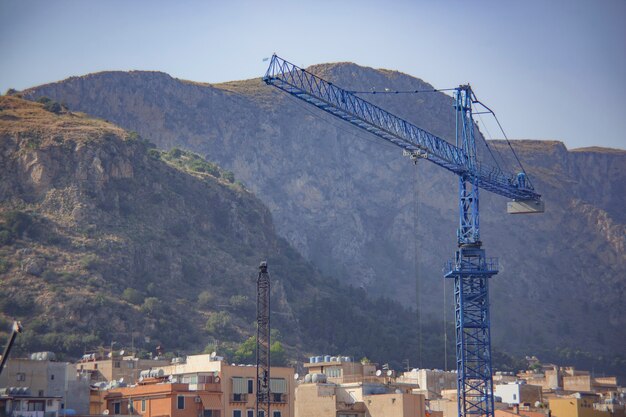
278, 356
219, 323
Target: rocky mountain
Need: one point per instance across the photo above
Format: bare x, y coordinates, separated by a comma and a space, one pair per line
104, 238
364, 214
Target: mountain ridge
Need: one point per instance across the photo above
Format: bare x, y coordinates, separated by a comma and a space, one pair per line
348, 204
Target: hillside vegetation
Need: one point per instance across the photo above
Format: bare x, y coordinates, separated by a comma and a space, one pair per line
105, 238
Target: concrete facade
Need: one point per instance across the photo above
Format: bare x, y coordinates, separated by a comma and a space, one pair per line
46, 378
575, 407
24, 404
356, 400
518, 393
159, 399
587, 383
431, 382
100, 368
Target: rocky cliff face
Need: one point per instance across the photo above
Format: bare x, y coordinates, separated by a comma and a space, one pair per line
103, 237
366, 215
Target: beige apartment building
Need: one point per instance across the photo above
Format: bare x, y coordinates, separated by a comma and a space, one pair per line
236, 384
339, 387
552, 378
45, 377
99, 367
431, 382
576, 406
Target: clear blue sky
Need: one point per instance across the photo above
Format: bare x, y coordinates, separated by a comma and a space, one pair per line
551, 69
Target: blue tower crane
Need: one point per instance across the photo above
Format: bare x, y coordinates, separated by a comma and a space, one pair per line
470, 268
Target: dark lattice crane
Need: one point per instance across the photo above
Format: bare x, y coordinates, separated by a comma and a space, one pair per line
263, 394
470, 268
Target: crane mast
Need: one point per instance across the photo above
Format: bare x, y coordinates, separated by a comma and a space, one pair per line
470, 268
263, 394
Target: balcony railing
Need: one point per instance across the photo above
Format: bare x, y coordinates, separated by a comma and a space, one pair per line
206, 387
278, 398
238, 398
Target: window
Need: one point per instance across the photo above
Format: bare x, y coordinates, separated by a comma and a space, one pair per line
250, 386
236, 413
95, 366
276, 414
239, 386
52, 377
21, 376
278, 385
116, 364
143, 405
181, 402
261, 413
35, 406
514, 396
41, 393
250, 413
117, 407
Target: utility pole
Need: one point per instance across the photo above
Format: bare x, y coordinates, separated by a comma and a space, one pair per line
263, 393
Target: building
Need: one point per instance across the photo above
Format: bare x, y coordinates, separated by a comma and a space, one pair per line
215, 388
19, 402
165, 399
579, 405
356, 399
587, 383
342, 369
549, 377
518, 393
517, 412
100, 367
431, 382
339, 387
44, 377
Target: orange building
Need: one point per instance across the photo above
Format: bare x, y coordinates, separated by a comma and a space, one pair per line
199, 385
164, 399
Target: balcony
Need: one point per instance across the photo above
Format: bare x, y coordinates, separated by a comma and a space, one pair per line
278, 398
238, 398
206, 387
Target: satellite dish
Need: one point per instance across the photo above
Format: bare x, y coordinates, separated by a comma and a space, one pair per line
296, 376
121, 380
140, 378
389, 372
170, 378
379, 372
217, 379
213, 354
121, 353
106, 412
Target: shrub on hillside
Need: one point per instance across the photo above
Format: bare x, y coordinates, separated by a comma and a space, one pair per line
17, 223
219, 323
132, 296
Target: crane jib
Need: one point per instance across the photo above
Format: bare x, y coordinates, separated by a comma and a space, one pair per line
365, 115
